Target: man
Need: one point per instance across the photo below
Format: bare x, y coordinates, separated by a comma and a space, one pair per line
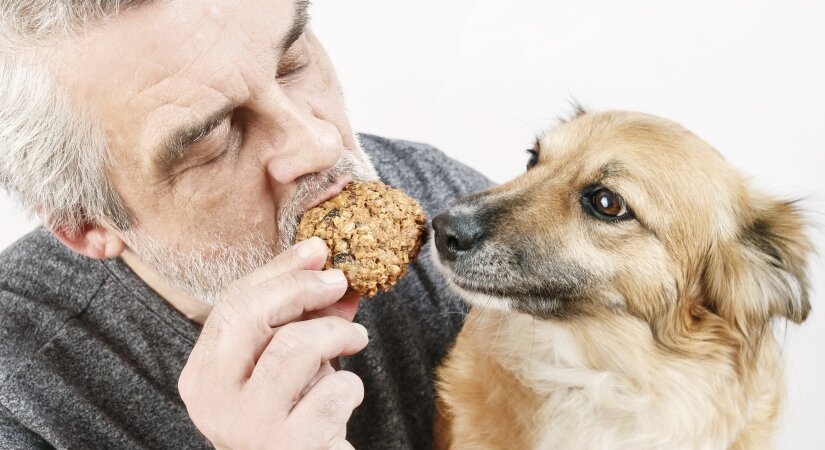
170, 147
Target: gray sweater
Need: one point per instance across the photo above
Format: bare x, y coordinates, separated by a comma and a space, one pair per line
90, 355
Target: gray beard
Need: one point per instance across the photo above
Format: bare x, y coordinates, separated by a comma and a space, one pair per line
204, 269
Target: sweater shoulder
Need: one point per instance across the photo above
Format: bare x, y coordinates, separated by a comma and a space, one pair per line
422, 171
43, 284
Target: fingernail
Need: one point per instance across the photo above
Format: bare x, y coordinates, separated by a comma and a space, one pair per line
307, 248
332, 276
361, 329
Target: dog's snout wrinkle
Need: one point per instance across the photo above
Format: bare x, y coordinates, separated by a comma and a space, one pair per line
457, 233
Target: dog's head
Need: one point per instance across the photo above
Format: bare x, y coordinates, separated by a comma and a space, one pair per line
627, 213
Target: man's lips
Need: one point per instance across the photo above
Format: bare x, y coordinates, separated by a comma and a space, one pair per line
332, 191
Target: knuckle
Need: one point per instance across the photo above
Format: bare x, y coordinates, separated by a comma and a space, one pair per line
243, 305
272, 270
185, 386
353, 384
292, 335
210, 430
290, 281
240, 290
190, 382
337, 327
190, 394
334, 401
331, 325
331, 407
291, 340
275, 357
330, 414
292, 255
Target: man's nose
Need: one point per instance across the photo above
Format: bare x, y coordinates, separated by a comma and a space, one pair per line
457, 233
301, 139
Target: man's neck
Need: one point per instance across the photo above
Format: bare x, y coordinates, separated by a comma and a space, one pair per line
187, 305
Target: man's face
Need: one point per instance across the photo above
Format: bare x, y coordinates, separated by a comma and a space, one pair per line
225, 122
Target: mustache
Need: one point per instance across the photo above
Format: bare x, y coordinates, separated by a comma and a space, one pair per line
310, 186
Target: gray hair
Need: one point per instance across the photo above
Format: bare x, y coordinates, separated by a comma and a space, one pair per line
53, 156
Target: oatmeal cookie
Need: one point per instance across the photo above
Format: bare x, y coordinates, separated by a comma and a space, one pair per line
372, 230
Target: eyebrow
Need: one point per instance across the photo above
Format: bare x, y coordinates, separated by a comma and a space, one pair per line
299, 24
612, 169
173, 147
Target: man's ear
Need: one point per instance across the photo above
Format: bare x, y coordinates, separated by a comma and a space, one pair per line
761, 273
93, 240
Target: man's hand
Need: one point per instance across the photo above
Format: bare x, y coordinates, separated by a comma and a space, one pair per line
259, 375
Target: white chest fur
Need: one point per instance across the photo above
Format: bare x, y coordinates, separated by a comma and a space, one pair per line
608, 385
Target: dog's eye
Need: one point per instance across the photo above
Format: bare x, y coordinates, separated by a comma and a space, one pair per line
605, 204
608, 203
534, 158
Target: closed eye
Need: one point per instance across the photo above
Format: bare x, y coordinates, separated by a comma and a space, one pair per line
217, 145
293, 61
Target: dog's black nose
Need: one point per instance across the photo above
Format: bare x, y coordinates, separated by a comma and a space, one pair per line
456, 233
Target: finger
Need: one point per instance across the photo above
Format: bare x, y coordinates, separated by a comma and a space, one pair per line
297, 351
239, 329
342, 436
290, 308
310, 254
325, 369
343, 445
344, 308
329, 404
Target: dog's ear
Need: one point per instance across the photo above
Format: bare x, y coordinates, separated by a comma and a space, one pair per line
761, 273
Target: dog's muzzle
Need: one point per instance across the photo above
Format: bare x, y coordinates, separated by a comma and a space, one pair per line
457, 233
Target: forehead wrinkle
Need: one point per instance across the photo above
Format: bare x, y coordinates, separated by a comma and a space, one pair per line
180, 99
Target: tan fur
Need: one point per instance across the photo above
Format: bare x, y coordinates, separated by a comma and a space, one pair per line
663, 339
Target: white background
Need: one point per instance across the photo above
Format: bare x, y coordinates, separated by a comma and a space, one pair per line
479, 79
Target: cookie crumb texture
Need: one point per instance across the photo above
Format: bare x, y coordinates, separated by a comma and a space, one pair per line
372, 230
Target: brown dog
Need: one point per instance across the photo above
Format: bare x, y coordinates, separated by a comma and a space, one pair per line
622, 292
